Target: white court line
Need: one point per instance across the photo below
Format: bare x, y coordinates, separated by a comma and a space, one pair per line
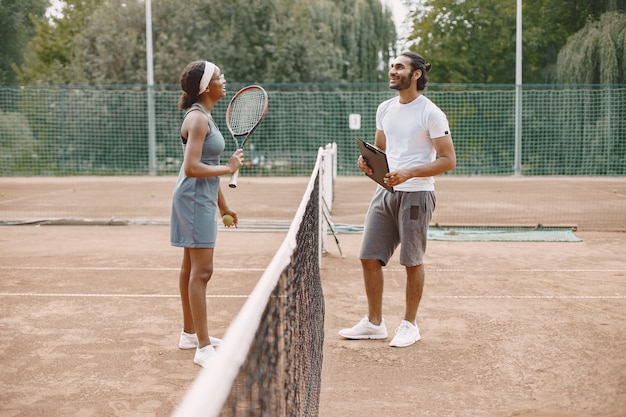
531, 297
395, 269
67, 295
440, 297
517, 270
519, 297
385, 269
115, 268
85, 295
123, 268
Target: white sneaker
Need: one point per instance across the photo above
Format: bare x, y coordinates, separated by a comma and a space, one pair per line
407, 333
365, 330
190, 340
203, 355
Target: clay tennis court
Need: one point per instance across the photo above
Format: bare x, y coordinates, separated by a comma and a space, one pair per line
90, 316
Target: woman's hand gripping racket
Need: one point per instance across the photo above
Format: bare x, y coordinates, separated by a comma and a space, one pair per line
244, 114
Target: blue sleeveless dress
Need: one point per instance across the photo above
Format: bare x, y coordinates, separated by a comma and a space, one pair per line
193, 222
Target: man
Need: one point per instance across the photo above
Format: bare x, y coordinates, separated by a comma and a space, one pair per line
413, 132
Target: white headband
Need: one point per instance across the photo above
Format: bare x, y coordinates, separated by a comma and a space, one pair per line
209, 69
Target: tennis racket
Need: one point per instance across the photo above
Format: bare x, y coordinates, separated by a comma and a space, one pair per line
245, 112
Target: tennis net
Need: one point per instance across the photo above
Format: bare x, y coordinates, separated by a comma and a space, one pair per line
270, 361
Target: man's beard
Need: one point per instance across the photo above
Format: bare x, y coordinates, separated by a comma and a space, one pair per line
402, 84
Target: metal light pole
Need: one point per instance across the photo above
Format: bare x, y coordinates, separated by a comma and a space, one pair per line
518, 91
150, 80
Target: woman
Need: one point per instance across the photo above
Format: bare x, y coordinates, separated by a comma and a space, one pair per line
197, 198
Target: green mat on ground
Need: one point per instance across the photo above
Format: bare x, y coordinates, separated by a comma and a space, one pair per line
503, 234
488, 234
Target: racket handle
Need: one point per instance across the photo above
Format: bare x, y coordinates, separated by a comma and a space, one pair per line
233, 180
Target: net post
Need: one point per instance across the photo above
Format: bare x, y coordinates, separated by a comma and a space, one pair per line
328, 173
320, 197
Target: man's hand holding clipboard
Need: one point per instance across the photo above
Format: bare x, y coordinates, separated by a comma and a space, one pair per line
376, 161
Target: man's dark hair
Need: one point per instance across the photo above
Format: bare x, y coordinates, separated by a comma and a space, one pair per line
418, 63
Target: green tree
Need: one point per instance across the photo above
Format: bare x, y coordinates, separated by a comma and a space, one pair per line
111, 48
547, 24
14, 129
596, 54
285, 40
50, 54
473, 41
16, 30
364, 35
253, 41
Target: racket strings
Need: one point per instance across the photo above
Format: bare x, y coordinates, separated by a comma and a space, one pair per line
247, 110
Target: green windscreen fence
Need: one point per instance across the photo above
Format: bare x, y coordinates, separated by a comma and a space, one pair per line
63, 147
104, 130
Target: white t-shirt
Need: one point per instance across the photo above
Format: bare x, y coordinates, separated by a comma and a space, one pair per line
409, 129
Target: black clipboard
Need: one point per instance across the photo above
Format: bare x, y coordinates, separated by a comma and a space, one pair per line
377, 160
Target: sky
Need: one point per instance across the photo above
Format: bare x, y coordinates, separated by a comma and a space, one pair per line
54, 9
399, 12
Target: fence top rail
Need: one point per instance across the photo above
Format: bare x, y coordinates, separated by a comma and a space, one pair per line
315, 86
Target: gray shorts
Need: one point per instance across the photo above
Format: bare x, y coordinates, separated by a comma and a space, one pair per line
399, 218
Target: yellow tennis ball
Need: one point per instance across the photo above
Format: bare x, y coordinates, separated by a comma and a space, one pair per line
228, 220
